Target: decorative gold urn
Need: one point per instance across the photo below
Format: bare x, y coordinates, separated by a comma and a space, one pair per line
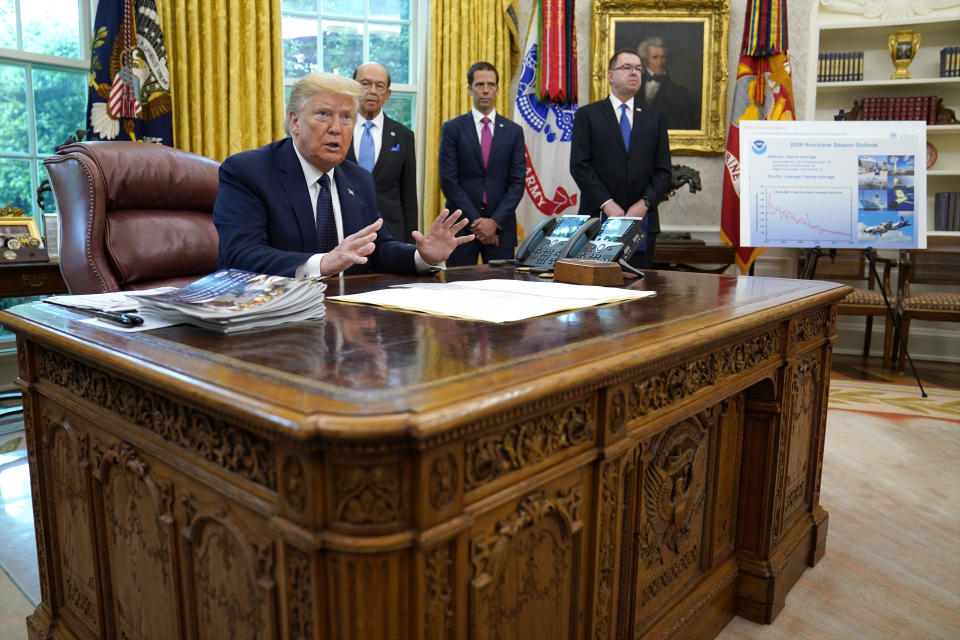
903, 47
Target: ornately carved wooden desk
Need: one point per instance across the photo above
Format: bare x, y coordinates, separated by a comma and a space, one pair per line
647, 469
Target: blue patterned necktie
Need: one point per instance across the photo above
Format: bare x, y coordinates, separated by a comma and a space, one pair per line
366, 157
625, 126
326, 225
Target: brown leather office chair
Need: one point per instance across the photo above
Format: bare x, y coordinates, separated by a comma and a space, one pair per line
850, 267
937, 267
133, 215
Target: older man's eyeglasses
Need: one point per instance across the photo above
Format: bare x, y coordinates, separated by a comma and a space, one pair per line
379, 87
627, 68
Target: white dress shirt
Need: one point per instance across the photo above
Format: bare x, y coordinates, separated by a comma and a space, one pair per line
376, 132
615, 101
477, 117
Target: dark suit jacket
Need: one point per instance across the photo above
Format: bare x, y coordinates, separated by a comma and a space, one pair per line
603, 169
463, 177
265, 218
395, 176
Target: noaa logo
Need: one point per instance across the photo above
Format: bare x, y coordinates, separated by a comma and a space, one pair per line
759, 147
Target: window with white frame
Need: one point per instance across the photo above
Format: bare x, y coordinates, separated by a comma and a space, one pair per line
338, 35
44, 64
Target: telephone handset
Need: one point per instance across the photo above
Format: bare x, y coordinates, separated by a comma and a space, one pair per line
554, 238
617, 239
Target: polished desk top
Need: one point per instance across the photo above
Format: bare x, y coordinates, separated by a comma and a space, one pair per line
362, 366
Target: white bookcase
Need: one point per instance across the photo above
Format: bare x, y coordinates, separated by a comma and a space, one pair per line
838, 31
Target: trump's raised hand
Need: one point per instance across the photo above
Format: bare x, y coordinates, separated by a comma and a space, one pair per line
441, 238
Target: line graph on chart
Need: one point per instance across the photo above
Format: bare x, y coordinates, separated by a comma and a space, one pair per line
786, 215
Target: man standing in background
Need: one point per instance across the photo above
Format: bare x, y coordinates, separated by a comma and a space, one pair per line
386, 148
482, 168
620, 155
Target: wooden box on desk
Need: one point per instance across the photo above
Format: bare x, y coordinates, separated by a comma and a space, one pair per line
595, 272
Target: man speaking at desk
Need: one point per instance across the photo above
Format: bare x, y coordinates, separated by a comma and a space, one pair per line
296, 208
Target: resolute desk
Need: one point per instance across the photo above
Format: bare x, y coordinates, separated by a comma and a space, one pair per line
647, 469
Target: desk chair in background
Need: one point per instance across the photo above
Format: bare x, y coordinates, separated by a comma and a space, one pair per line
133, 215
926, 267
850, 266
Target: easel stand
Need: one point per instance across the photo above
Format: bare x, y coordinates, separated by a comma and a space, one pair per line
811, 263
871, 255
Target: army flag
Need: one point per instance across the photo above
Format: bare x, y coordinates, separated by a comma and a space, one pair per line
764, 91
547, 125
129, 93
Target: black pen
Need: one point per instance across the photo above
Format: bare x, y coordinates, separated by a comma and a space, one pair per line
125, 319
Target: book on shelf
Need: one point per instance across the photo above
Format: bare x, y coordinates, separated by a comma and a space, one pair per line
902, 108
946, 211
840, 66
232, 300
950, 62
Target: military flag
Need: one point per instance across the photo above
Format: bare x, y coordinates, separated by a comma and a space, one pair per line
545, 105
764, 91
129, 95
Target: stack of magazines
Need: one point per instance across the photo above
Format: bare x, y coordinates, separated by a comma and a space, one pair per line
232, 300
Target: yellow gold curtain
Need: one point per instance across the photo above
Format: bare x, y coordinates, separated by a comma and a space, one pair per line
226, 73
463, 32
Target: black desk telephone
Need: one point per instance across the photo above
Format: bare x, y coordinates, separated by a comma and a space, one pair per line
617, 239
554, 238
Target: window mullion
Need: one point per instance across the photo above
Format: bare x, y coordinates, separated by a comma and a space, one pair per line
16, 13
31, 134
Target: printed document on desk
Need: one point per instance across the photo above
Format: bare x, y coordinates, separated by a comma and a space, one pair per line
118, 301
492, 300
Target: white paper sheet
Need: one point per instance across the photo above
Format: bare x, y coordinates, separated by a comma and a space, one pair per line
492, 300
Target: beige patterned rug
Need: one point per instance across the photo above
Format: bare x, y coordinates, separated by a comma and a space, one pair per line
891, 483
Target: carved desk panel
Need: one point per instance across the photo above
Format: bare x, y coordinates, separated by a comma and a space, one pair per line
647, 469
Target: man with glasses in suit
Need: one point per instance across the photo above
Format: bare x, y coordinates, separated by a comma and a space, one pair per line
386, 148
620, 153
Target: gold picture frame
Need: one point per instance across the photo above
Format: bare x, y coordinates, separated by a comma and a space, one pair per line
13, 226
701, 26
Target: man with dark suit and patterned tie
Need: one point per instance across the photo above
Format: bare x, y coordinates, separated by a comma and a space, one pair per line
296, 208
385, 148
482, 169
620, 153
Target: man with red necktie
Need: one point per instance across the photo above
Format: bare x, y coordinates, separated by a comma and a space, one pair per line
482, 171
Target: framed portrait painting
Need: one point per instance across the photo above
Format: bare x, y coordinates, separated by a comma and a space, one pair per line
683, 44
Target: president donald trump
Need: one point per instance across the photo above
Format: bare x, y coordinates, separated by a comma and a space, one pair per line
296, 208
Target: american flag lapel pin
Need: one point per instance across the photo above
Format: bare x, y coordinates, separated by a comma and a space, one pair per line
350, 191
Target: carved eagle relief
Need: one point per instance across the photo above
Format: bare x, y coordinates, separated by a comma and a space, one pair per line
673, 492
